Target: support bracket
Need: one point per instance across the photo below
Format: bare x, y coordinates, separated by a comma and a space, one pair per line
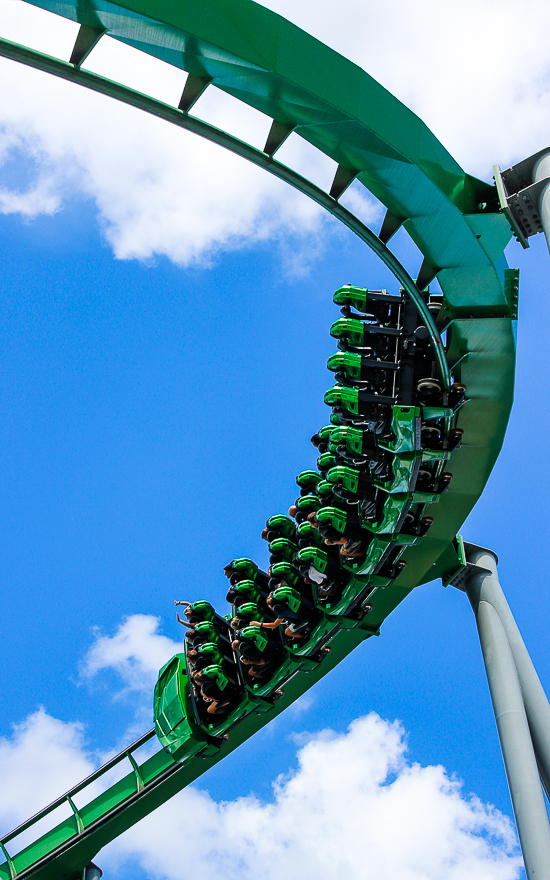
278, 134
343, 178
193, 89
86, 39
519, 196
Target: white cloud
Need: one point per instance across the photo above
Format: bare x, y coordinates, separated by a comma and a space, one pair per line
38, 199
158, 190
161, 191
355, 807
43, 758
135, 652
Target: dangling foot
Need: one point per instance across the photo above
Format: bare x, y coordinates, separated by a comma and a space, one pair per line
217, 708
353, 549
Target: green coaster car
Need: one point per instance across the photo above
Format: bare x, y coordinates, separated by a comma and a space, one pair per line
175, 722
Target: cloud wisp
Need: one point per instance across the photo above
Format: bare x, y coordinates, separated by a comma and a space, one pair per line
135, 653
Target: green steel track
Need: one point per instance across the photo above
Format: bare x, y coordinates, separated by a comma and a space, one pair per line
304, 87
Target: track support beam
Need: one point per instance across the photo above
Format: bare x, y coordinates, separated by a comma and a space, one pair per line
86, 39
278, 134
521, 708
194, 87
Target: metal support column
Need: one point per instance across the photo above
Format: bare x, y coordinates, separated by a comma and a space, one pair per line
92, 872
512, 681
536, 703
541, 172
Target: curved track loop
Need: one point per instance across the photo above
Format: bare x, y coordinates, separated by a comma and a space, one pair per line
257, 157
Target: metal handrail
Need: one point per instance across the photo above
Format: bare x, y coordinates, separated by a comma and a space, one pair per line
77, 788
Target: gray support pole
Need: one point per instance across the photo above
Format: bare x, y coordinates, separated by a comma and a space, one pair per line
541, 170
515, 739
536, 703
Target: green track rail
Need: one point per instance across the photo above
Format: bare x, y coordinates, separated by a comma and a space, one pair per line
304, 87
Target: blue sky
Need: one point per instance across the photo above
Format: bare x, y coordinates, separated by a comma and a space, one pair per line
157, 405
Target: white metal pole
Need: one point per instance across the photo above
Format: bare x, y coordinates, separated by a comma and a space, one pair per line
536, 703
513, 729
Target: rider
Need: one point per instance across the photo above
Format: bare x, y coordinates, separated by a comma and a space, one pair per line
289, 608
215, 689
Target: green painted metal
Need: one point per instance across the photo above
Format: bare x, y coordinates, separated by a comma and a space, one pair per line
303, 87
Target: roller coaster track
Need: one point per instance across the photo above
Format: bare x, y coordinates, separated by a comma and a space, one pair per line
466, 333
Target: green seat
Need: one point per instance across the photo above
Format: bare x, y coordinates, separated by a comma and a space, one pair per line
255, 634
250, 611
307, 503
203, 609
316, 557
333, 517
326, 461
207, 629
309, 533
346, 477
288, 595
308, 479
372, 302
285, 571
211, 652
341, 395
248, 589
282, 524
244, 566
283, 547
215, 673
348, 295
346, 362
350, 329
324, 433
321, 436
324, 488
351, 437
